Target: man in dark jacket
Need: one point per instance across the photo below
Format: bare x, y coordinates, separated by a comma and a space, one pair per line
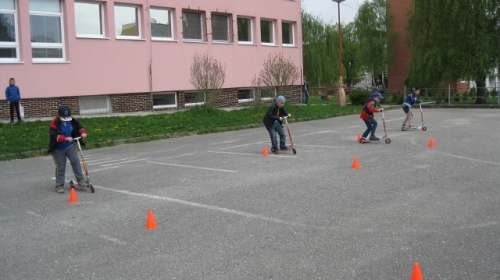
63, 129
13, 97
273, 121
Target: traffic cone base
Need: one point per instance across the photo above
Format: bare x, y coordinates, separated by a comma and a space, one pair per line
72, 196
265, 152
355, 163
416, 274
431, 143
150, 222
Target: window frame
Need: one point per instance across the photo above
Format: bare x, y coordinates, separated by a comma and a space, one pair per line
274, 92
176, 102
250, 31
61, 46
252, 94
186, 104
15, 44
170, 17
101, 19
229, 32
272, 32
203, 28
138, 22
292, 33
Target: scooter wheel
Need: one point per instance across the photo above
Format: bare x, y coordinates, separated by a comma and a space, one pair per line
91, 188
294, 151
388, 140
403, 128
424, 128
72, 184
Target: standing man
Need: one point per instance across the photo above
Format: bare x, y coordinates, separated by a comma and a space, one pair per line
305, 91
13, 96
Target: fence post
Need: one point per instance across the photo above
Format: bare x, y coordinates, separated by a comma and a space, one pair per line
449, 94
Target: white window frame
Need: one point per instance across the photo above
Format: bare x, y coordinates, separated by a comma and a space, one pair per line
101, 17
61, 45
9, 45
138, 22
202, 28
228, 31
267, 97
252, 93
194, 103
272, 29
292, 33
170, 17
250, 31
99, 99
168, 105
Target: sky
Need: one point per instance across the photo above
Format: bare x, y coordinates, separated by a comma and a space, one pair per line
327, 10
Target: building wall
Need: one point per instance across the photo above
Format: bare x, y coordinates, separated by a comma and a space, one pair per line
399, 69
124, 67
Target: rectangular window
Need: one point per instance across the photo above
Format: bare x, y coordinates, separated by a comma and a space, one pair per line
267, 31
194, 98
89, 20
46, 30
127, 22
268, 93
9, 46
164, 100
244, 30
221, 29
245, 94
287, 33
161, 24
94, 105
192, 26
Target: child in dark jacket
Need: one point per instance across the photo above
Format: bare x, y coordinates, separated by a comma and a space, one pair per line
273, 121
367, 115
63, 129
411, 99
13, 97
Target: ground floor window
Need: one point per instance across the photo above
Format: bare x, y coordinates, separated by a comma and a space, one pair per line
164, 100
94, 105
246, 94
194, 98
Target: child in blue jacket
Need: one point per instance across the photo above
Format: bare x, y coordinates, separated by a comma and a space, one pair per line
411, 99
13, 97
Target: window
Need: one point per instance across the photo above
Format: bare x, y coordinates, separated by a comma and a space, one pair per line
245, 94
244, 30
193, 98
192, 26
164, 100
268, 93
161, 23
267, 31
9, 46
287, 33
89, 19
46, 30
127, 21
221, 29
94, 105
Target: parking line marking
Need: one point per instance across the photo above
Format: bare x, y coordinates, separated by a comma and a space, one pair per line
251, 154
195, 167
124, 162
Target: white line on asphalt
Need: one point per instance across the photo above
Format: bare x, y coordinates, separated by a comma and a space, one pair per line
106, 160
97, 159
121, 162
115, 166
251, 154
225, 142
195, 167
183, 155
318, 146
205, 206
113, 239
33, 213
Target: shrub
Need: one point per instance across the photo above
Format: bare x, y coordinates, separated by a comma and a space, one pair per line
359, 97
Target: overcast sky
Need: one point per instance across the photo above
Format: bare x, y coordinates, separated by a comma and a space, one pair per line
327, 10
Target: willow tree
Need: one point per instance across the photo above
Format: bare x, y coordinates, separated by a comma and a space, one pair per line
453, 39
350, 55
376, 37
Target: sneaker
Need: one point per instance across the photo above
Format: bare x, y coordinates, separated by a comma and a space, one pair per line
373, 137
274, 150
363, 140
81, 184
59, 189
283, 148
404, 125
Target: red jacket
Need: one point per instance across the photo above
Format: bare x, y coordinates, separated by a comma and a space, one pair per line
368, 109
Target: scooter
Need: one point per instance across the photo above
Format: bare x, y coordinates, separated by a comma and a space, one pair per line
384, 138
423, 127
88, 185
290, 148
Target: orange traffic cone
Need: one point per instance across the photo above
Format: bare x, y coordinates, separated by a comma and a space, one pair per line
431, 143
416, 274
355, 163
359, 138
72, 196
150, 222
265, 152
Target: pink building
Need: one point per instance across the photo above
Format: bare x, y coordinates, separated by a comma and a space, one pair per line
135, 55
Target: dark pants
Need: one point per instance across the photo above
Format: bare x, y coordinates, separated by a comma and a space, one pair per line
371, 126
14, 104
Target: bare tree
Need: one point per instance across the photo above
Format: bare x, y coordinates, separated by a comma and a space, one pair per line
207, 76
279, 72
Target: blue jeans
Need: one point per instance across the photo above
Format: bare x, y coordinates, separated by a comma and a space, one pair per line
371, 126
276, 127
306, 97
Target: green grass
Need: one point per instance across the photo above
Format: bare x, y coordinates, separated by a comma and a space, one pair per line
31, 138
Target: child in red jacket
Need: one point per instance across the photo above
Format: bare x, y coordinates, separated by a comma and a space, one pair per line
367, 115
